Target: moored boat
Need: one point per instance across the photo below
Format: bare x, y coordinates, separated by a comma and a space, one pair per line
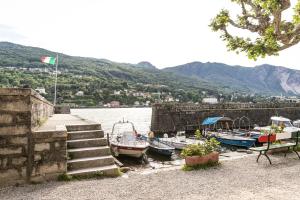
227, 137
156, 146
179, 141
161, 148
285, 123
282, 127
124, 140
234, 140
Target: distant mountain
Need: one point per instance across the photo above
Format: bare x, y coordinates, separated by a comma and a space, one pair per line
98, 77
266, 79
145, 64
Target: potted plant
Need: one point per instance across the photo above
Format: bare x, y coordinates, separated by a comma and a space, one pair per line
201, 154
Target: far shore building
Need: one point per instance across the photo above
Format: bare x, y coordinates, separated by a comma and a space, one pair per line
117, 92
210, 100
79, 93
115, 104
41, 90
169, 99
147, 103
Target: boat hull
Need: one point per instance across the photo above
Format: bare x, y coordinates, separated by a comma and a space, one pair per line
164, 152
238, 143
176, 145
131, 151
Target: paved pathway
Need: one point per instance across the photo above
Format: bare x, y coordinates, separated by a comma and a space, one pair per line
63, 119
241, 179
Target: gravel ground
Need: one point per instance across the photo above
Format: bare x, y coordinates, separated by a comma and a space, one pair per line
241, 179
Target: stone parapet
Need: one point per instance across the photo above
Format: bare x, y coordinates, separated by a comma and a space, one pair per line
49, 154
172, 117
62, 109
21, 110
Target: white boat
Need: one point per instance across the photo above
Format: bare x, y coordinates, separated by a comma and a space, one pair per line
179, 141
296, 123
281, 122
124, 140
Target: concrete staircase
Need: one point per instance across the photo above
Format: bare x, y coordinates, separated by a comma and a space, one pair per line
88, 153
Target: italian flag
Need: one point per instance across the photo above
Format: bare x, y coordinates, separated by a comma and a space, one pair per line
48, 60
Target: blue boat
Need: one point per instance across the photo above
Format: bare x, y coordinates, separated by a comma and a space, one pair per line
159, 147
253, 134
227, 137
234, 140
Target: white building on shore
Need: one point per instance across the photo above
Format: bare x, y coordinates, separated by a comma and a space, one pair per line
210, 100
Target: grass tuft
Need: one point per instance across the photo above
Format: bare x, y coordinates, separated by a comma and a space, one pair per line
200, 167
65, 177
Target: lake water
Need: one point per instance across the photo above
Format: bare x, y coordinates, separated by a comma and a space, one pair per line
140, 117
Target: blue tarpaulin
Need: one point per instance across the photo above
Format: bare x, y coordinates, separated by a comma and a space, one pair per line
211, 120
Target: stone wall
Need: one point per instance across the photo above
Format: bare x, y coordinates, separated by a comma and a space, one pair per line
175, 117
21, 110
41, 109
49, 154
62, 109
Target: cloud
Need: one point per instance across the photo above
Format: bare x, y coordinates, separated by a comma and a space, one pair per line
8, 33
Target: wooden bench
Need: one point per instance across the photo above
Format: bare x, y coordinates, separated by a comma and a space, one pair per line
272, 138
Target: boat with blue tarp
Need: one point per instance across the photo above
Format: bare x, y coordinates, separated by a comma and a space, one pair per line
222, 129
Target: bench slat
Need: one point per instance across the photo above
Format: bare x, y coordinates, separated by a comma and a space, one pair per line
275, 146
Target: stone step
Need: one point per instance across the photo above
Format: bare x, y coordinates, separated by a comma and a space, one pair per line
91, 162
73, 135
83, 127
83, 143
88, 152
109, 170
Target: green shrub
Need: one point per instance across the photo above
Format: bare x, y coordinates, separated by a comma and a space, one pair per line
211, 145
193, 150
198, 134
201, 149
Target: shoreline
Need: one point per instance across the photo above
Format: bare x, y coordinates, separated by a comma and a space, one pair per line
109, 107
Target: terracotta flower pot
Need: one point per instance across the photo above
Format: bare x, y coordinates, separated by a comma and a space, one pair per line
202, 160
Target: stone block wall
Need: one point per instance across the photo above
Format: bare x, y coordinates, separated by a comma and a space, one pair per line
41, 109
49, 154
18, 108
178, 117
62, 109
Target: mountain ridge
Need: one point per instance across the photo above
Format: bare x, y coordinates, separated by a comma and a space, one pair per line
262, 79
213, 76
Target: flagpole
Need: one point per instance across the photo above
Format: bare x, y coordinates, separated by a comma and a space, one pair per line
54, 102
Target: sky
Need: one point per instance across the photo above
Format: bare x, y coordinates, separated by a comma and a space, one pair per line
164, 32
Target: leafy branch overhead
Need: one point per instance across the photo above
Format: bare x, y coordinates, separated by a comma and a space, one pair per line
264, 18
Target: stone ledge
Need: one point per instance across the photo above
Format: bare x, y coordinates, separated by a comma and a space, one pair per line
14, 130
10, 150
15, 91
42, 147
10, 177
60, 132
